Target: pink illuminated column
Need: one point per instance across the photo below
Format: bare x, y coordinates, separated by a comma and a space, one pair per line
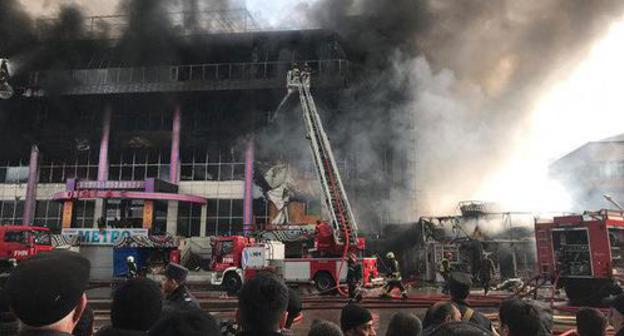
104, 140
174, 166
31, 187
248, 192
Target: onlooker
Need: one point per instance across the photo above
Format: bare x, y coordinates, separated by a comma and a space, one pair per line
262, 305
8, 322
47, 292
519, 318
404, 324
192, 322
356, 320
460, 328
459, 287
85, 324
177, 295
324, 328
439, 313
137, 305
616, 314
294, 307
590, 322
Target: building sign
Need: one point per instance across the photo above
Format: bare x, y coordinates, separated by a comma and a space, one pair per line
102, 237
111, 185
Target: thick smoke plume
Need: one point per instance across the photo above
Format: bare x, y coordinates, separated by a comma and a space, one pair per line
448, 85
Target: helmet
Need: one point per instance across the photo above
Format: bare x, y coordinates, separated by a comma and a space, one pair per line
130, 259
390, 255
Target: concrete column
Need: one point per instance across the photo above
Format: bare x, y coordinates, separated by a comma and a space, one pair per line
100, 204
103, 158
172, 218
204, 216
248, 191
174, 167
31, 186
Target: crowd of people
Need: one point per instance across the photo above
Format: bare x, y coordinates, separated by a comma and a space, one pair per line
45, 296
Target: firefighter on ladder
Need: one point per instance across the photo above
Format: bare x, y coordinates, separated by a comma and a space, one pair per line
394, 277
354, 278
445, 270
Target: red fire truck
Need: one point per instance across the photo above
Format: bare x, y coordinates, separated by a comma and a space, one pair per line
584, 254
21, 242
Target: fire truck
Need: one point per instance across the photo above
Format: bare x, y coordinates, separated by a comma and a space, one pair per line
237, 258
584, 254
21, 242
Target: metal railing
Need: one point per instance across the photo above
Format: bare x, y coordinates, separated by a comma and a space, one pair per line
338, 68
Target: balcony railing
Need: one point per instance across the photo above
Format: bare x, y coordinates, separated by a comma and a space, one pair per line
196, 77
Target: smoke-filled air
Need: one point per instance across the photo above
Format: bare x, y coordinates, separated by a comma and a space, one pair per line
474, 98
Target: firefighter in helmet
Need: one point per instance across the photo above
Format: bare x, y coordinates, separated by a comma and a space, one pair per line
354, 277
133, 270
445, 269
394, 277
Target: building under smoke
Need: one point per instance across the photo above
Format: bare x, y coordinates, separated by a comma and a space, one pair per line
591, 171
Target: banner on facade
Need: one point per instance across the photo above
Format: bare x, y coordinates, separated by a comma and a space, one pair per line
102, 237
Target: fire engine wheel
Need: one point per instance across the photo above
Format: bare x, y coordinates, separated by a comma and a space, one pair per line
232, 283
324, 282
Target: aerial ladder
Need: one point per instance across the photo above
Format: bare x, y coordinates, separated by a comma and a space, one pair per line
334, 195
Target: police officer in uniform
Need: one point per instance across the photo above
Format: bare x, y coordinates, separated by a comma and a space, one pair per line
177, 295
459, 284
354, 277
394, 277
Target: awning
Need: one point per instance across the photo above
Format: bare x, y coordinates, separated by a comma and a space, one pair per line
112, 194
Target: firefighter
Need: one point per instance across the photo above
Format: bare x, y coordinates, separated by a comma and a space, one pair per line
177, 295
486, 271
445, 270
133, 270
394, 277
354, 277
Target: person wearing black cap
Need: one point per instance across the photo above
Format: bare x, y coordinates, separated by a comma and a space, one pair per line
177, 295
459, 287
137, 305
616, 314
356, 320
47, 292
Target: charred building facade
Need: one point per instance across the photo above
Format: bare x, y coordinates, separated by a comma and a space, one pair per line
174, 137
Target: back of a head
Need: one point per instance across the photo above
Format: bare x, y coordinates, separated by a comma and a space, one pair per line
459, 285
324, 328
521, 318
137, 305
84, 327
590, 322
404, 324
8, 321
193, 322
439, 313
262, 303
460, 328
353, 315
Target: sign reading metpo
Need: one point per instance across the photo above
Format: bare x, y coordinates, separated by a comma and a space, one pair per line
102, 237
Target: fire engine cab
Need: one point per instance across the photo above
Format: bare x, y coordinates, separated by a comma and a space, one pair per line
21, 242
584, 254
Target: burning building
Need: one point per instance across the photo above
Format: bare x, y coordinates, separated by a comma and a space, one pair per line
145, 127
